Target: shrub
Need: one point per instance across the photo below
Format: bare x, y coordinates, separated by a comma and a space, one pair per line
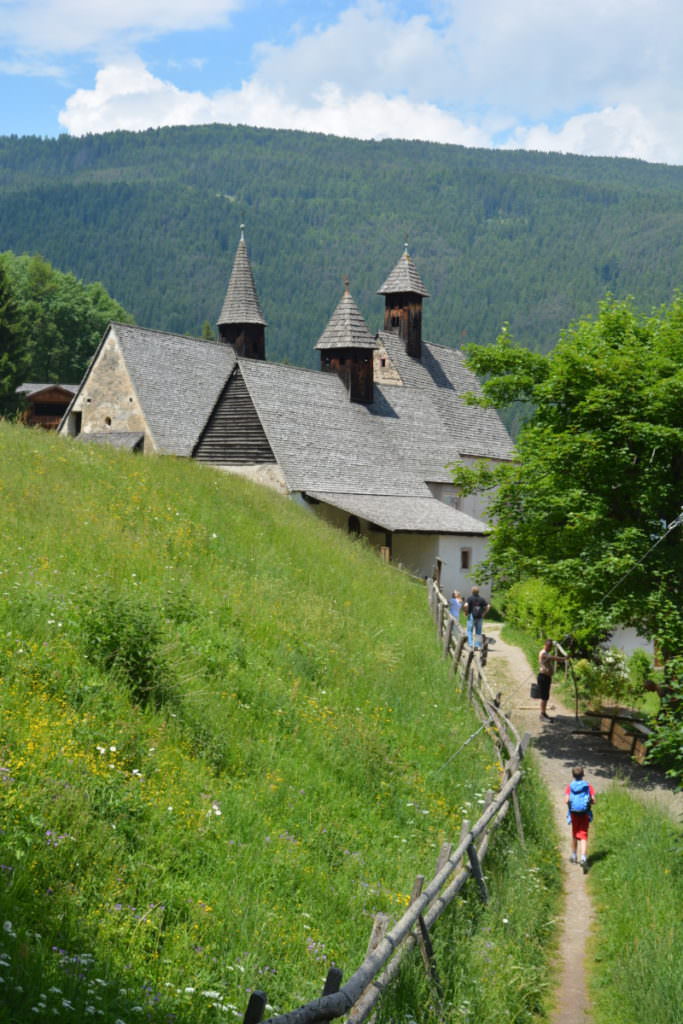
538, 608
122, 635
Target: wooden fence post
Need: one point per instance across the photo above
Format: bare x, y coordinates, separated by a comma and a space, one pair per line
332, 981
447, 634
426, 949
255, 1008
379, 928
518, 817
477, 872
444, 854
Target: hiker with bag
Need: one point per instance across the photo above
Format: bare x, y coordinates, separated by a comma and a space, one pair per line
580, 798
546, 669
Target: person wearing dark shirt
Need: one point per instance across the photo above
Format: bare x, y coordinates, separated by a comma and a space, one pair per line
476, 608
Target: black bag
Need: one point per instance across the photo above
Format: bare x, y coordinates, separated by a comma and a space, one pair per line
535, 691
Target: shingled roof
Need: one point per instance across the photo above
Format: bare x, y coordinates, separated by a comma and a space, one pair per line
404, 278
438, 382
241, 304
378, 460
178, 380
347, 327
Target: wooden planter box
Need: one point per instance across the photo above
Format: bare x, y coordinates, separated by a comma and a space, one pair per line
622, 738
640, 750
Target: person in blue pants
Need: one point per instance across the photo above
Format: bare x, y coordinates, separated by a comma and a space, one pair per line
476, 607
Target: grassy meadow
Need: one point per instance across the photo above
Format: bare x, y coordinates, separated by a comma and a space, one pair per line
226, 742
636, 881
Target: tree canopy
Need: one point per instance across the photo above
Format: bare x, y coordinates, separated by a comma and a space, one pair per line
593, 502
50, 322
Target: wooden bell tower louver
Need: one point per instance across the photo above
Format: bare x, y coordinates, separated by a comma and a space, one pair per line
346, 348
404, 291
241, 322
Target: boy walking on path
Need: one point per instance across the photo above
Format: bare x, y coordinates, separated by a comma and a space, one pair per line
580, 798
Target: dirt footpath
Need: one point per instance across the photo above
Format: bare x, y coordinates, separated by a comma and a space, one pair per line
560, 745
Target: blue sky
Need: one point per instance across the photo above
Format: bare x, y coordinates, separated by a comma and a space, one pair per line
598, 77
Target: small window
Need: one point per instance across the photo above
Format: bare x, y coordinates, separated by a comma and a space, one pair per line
465, 558
107, 421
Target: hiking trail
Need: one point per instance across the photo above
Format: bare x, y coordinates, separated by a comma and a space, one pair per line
559, 745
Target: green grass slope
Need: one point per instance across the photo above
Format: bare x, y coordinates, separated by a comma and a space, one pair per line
223, 735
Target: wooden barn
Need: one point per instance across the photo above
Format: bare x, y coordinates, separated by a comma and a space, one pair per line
365, 442
45, 403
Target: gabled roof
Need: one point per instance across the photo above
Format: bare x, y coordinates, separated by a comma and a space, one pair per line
392, 447
241, 304
177, 380
404, 278
404, 514
31, 390
124, 439
347, 328
438, 381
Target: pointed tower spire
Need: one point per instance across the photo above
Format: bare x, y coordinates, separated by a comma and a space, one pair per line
346, 348
404, 291
241, 322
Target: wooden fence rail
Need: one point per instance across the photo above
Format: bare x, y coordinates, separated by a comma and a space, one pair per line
356, 999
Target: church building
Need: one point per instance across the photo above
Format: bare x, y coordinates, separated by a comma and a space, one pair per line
365, 442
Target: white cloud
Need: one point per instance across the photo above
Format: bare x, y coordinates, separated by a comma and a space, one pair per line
364, 50
615, 131
100, 26
128, 96
30, 69
592, 76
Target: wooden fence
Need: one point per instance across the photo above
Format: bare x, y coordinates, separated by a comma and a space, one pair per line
388, 945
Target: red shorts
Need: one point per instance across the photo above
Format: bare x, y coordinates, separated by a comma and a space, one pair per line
580, 823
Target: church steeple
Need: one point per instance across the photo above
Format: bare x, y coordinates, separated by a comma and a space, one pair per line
241, 322
346, 348
404, 292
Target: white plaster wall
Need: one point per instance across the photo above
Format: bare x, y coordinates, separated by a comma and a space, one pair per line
628, 641
472, 504
416, 552
449, 551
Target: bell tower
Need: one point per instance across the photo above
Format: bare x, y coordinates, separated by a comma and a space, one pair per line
346, 348
404, 292
241, 322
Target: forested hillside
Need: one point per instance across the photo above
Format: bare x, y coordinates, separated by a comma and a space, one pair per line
533, 239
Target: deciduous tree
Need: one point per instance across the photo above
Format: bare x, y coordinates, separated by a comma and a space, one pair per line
593, 501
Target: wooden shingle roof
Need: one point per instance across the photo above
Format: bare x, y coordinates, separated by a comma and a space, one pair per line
404, 278
347, 327
241, 304
178, 380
